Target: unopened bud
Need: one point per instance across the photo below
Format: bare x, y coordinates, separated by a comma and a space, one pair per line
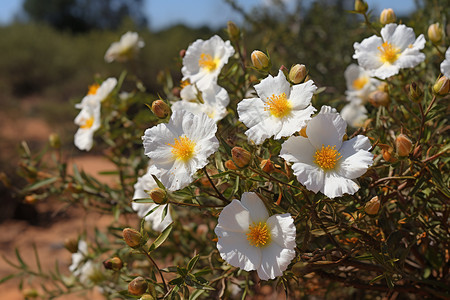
71, 245
241, 157
229, 164
435, 33
442, 86
147, 297
160, 109
379, 98
233, 31
267, 166
415, 92
30, 199
387, 16
361, 6
54, 140
388, 153
373, 206
260, 60
297, 73
132, 237
182, 53
137, 286
114, 264
158, 195
403, 145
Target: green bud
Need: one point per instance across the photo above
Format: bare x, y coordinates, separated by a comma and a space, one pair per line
260, 60
442, 86
361, 6
233, 31
297, 73
415, 92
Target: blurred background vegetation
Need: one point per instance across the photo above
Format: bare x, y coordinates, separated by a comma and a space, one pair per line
53, 52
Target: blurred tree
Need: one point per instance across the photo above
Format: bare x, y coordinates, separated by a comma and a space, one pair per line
84, 15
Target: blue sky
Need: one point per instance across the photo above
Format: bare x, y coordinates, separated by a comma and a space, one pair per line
216, 13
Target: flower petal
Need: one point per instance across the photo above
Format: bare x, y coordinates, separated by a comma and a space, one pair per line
235, 217
295, 122
298, 149
336, 186
311, 176
355, 157
301, 94
255, 206
282, 230
399, 36
322, 130
273, 86
367, 53
274, 261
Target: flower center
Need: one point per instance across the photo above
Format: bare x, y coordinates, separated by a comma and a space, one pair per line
207, 62
389, 53
183, 148
327, 157
93, 89
279, 106
88, 123
360, 82
258, 234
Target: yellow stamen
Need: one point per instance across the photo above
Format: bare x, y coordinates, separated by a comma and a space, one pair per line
279, 106
327, 157
88, 123
258, 234
389, 53
93, 89
207, 62
183, 148
360, 82
184, 83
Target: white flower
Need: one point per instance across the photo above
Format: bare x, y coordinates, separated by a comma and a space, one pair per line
280, 111
181, 147
82, 267
322, 161
89, 121
98, 93
125, 49
397, 48
445, 65
251, 240
359, 83
354, 114
215, 101
147, 183
204, 60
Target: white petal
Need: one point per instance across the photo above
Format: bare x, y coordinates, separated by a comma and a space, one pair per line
274, 261
158, 223
336, 186
410, 58
234, 217
352, 73
273, 86
445, 65
311, 176
298, 149
399, 36
301, 94
321, 130
236, 250
386, 70
255, 206
354, 114
355, 158
84, 139
367, 53
251, 112
295, 122
282, 230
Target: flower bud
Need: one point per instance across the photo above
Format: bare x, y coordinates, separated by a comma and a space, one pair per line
361, 6
114, 264
241, 157
30, 199
442, 86
147, 297
267, 166
260, 60
233, 31
229, 164
387, 16
435, 33
297, 73
379, 98
373, 206
132, 237
415, 92
71, 245
387, 153
160, 109
158, 195
137, 286
182, 53
54, 140
403, 145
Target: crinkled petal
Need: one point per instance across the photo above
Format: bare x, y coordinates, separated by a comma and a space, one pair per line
354, 114
301, 94
236, 250
445, 65
274, 261
282, 230
235, 217
273, 86
367, 53
398, 35
336, 186
311, 176
294, 122
255, 206
386, 70
252, 112
321, 130
355, 158
298, 149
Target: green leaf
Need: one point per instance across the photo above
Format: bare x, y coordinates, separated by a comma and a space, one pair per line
196, 294
161, 238
177, 281
6, 278
160, 185
193, 262
144, 200
40, 184
379, 277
